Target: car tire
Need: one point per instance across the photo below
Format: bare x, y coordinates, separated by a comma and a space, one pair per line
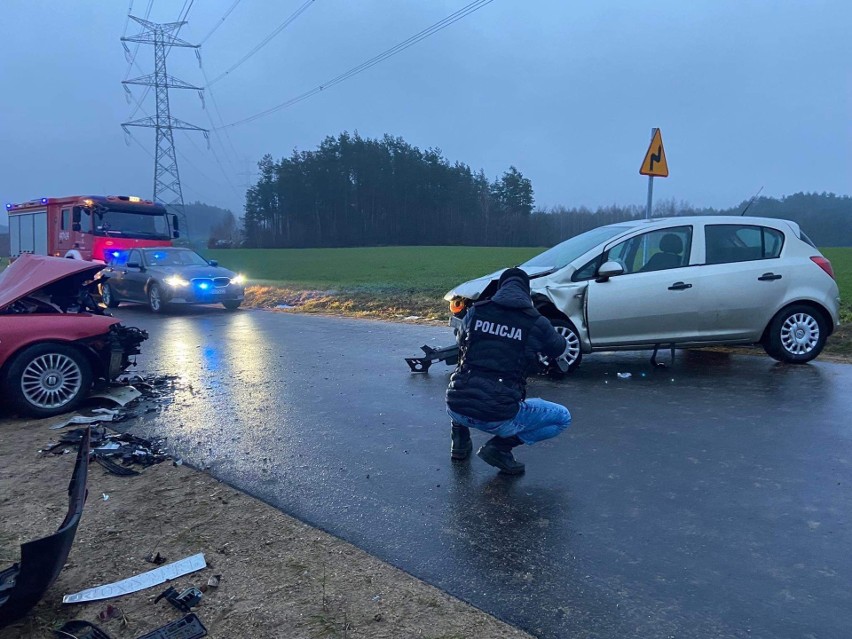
796, 335
232, 305
155, 298
108, 296
48, 379
570, 333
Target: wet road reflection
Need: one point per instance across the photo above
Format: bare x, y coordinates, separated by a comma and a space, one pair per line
705, 499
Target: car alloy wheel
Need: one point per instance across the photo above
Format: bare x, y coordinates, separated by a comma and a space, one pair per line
574, 353
800, 333
51, 381
796, 334
107, 296
155, 298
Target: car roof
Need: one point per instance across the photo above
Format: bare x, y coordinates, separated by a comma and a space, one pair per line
655, 222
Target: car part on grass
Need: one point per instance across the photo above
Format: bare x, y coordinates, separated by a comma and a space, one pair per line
140, 582
190, 627
448, 354
23, 585
79, 629
183, 601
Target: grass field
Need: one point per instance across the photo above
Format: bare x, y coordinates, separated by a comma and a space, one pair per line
429, 269
841, 262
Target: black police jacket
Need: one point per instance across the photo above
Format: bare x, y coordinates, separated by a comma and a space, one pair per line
499, 348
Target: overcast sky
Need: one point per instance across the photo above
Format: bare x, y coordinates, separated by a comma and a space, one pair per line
748, 93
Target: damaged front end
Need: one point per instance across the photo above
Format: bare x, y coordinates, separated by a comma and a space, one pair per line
124, 343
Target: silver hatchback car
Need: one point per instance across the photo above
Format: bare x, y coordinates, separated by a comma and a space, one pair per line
681, 283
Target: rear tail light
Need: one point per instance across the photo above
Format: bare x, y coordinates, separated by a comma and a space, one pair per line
824, 264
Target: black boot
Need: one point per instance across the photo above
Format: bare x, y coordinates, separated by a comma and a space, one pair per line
462, 446
498, 452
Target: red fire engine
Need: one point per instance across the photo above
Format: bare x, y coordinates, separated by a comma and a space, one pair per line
88, 227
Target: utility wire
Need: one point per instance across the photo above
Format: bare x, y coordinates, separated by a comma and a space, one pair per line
127, 21
215, 127
265, 41
151, 155
221, 21
402, 46
136, 50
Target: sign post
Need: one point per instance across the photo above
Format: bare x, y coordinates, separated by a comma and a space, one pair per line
654, 165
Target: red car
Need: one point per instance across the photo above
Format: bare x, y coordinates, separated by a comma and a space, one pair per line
55, 341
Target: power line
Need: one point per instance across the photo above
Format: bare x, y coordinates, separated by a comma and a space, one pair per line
402, 46
265, 41
215, 126
221, 21
136, 50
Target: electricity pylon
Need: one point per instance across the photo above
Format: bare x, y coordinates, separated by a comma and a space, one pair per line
167, 188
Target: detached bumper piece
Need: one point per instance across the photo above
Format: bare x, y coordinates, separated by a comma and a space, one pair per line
449, 354
23, 585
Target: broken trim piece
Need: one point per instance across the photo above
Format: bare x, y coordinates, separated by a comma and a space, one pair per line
23, 585
140, 582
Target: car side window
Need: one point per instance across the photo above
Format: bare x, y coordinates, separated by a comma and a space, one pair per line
588, 271
657, 250
726, 243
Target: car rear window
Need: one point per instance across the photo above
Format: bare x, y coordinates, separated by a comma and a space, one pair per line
725, 243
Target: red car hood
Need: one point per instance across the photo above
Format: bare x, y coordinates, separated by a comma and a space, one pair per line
29, 273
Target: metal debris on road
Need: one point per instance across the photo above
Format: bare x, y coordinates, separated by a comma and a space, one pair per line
140, 582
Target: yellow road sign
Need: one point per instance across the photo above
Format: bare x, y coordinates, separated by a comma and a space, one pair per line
655, 159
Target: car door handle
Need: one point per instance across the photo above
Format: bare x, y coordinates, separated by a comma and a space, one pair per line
767, 277
679, 286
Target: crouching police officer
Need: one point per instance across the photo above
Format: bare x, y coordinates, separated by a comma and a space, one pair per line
499, 345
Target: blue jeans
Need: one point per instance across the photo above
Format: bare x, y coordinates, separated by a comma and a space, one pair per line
536, 420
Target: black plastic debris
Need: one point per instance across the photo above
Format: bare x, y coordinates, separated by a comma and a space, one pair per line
111, 467
183, 601
190, 627
448, 354
23, 584
79, 629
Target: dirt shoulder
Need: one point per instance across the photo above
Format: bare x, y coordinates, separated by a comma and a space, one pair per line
280, 577
426, 307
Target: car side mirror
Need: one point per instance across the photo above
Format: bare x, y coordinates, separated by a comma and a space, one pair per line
134, 265
213, 262
608, 270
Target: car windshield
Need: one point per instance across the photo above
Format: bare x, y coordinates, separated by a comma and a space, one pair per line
183, 257
563, 254
141, 225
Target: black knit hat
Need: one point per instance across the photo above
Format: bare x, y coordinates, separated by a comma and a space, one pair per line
514, 273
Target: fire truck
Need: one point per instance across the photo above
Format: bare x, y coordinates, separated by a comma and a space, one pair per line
89, 227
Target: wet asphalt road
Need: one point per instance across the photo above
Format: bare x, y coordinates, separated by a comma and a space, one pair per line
710, 499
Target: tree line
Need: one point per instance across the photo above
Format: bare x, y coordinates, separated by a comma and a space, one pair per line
355, 191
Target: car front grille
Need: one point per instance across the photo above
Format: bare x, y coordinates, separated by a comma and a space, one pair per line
208, 283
